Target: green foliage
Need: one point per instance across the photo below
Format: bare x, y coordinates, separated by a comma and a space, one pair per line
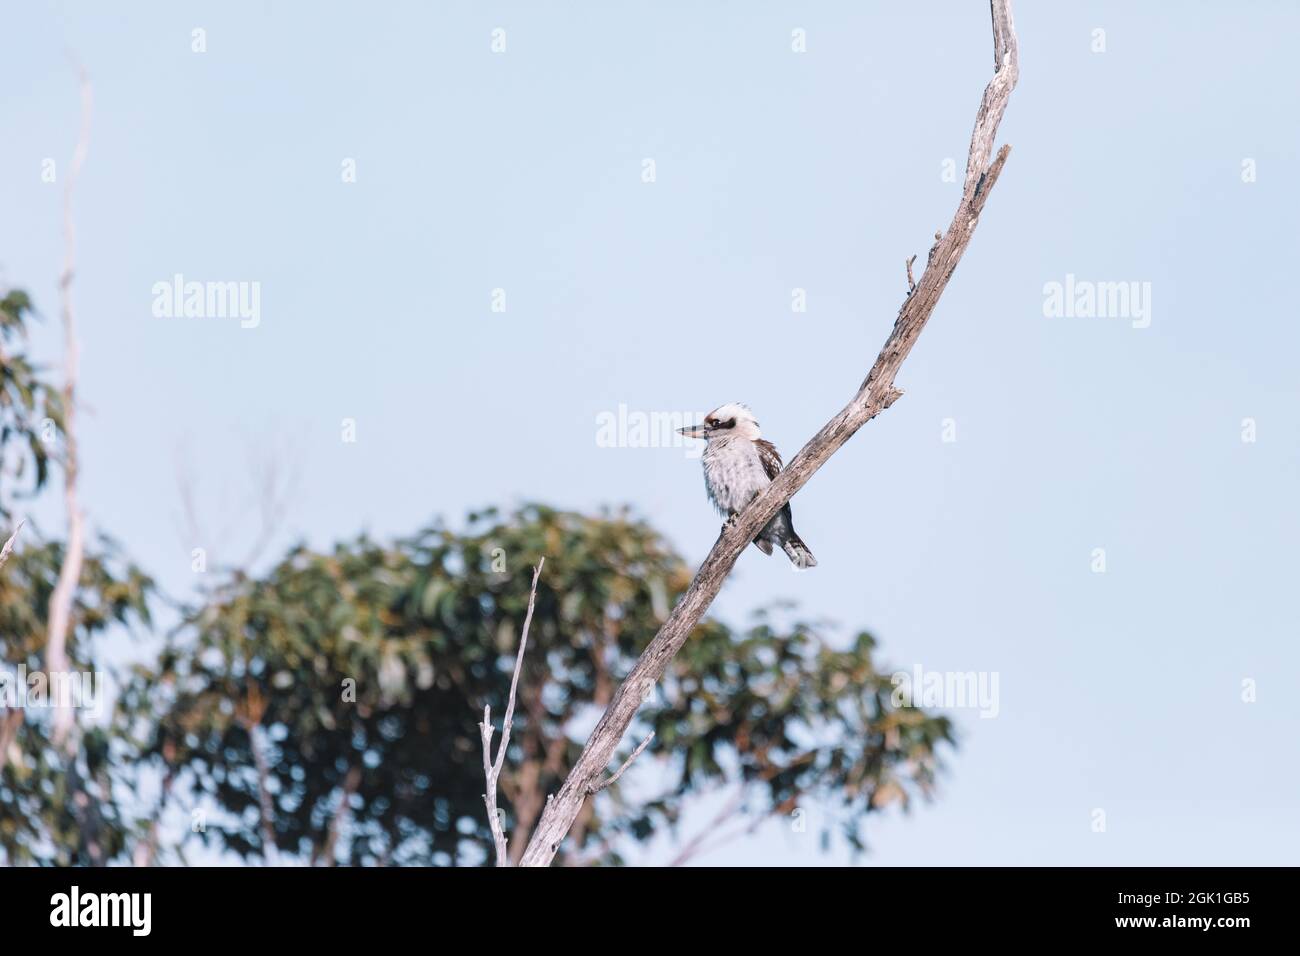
800, 719
39, 783
26, 403
365, 670
39, 822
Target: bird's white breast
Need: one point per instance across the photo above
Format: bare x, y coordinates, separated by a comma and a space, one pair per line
733, 473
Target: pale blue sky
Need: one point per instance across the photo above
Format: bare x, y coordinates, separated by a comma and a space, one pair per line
775, 170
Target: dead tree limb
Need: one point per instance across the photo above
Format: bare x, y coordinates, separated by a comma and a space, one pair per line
65, 590
492, 768
876, 394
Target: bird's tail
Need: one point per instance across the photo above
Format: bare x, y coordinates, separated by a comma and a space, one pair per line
798, 552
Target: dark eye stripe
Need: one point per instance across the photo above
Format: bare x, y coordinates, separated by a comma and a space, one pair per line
730, 424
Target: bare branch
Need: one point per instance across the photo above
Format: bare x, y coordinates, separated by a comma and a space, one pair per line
613, 778
875, 394
508, 723
694, 846
60, 607
911, 283
708, 846
492, 768
274, 474
490, 794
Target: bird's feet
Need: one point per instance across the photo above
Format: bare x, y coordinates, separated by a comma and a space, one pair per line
726, 525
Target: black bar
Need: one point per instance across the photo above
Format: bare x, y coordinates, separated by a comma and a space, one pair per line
336, 905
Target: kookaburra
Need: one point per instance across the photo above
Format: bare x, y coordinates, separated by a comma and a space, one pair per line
738, 464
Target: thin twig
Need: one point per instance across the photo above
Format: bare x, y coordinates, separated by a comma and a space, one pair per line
911, 283
613, 778
875, 394
708, 846
692, 847
701, 844
492, 768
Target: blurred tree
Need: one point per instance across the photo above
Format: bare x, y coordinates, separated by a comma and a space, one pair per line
328, 708
31, 409
41, 820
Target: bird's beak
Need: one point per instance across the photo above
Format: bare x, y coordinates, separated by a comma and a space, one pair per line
694, 431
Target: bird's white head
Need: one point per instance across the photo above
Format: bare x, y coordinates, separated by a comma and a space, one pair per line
732, 420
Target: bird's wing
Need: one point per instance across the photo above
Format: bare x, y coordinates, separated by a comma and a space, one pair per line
770, 457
